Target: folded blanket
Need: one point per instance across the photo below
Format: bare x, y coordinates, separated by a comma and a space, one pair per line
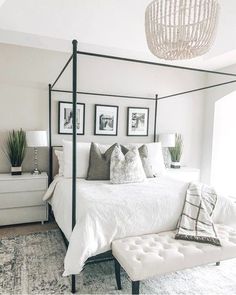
195, 223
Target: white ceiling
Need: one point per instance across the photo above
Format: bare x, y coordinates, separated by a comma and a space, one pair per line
105, 26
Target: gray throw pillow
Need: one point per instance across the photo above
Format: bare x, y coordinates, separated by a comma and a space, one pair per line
143, 153
99, 164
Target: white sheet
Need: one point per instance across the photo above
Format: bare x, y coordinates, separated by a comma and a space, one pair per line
106, 212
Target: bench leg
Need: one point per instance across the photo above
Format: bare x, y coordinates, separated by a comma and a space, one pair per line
135, 287
73, 284
218, 263
117, 272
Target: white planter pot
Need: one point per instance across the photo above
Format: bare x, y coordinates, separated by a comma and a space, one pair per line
16, 170
175, 165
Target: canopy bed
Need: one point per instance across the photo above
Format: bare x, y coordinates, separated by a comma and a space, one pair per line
75, 183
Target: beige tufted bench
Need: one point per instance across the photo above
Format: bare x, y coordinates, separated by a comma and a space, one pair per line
151, 255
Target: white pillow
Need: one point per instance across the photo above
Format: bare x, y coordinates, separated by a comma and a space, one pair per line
83, 151
155, 156
82, 154
126, 168
60, 159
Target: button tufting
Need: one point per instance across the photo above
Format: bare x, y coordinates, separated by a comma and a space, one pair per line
167, 247
156, 240
133, 248
145, 237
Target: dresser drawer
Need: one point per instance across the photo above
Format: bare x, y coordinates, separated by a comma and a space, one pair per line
23, 215
19, 185
21, 199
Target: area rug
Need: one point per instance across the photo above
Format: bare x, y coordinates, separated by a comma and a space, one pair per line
33, 264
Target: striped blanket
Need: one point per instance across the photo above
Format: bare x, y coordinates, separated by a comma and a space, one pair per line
195, 223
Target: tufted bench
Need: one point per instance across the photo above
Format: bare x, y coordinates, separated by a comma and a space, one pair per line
151, 255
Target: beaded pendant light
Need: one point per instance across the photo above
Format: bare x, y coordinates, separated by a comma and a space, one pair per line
181, 29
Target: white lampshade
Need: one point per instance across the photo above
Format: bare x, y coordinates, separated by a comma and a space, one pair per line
36, 138
167, 139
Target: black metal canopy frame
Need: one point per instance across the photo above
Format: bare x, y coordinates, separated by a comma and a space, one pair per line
75, 91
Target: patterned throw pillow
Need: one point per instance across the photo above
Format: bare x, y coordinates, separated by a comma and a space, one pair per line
126, 168
99, 163
143, 153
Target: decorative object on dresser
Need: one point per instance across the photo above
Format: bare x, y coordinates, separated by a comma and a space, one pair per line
184, 173
65, 118
36, 139
21, 198
15, 150
176, 151
106, 119
167, 140
137, 121
177, 29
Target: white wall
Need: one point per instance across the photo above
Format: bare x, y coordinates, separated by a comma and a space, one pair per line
212, 96
26, 72
224, 145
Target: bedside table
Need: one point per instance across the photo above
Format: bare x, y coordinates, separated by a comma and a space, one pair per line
21, 198
184, 173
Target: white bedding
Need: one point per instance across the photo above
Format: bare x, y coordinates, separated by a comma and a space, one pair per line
106, 212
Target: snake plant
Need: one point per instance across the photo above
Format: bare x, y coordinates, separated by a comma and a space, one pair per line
15, 147
176, 152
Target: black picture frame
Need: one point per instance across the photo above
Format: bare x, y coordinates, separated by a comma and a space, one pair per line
145, 131
101, 128
61, 119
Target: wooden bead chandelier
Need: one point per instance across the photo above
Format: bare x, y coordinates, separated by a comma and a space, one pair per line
181, 29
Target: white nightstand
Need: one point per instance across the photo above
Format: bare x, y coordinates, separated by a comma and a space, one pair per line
21, 198
184, 173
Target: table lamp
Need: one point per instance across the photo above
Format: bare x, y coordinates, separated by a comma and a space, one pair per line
36, 139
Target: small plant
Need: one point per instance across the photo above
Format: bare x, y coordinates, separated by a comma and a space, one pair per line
15, 147
176, 152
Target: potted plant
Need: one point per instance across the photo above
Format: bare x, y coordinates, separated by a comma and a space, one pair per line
15, 150
176, 152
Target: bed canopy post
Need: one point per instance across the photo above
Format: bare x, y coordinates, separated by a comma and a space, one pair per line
50, 132
74, 121
155, 118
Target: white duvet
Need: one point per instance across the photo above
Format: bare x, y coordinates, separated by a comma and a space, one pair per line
106, 212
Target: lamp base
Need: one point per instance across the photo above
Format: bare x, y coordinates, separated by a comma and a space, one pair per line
166, 157
36, 172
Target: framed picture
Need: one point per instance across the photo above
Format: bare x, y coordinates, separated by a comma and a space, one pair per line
137, 121
65, 118
106, 120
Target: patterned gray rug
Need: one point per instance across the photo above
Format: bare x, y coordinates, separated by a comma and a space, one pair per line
33, 264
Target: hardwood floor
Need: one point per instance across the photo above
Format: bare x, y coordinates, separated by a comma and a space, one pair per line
24, 229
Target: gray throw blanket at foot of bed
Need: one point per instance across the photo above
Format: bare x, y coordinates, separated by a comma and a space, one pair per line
195, 223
